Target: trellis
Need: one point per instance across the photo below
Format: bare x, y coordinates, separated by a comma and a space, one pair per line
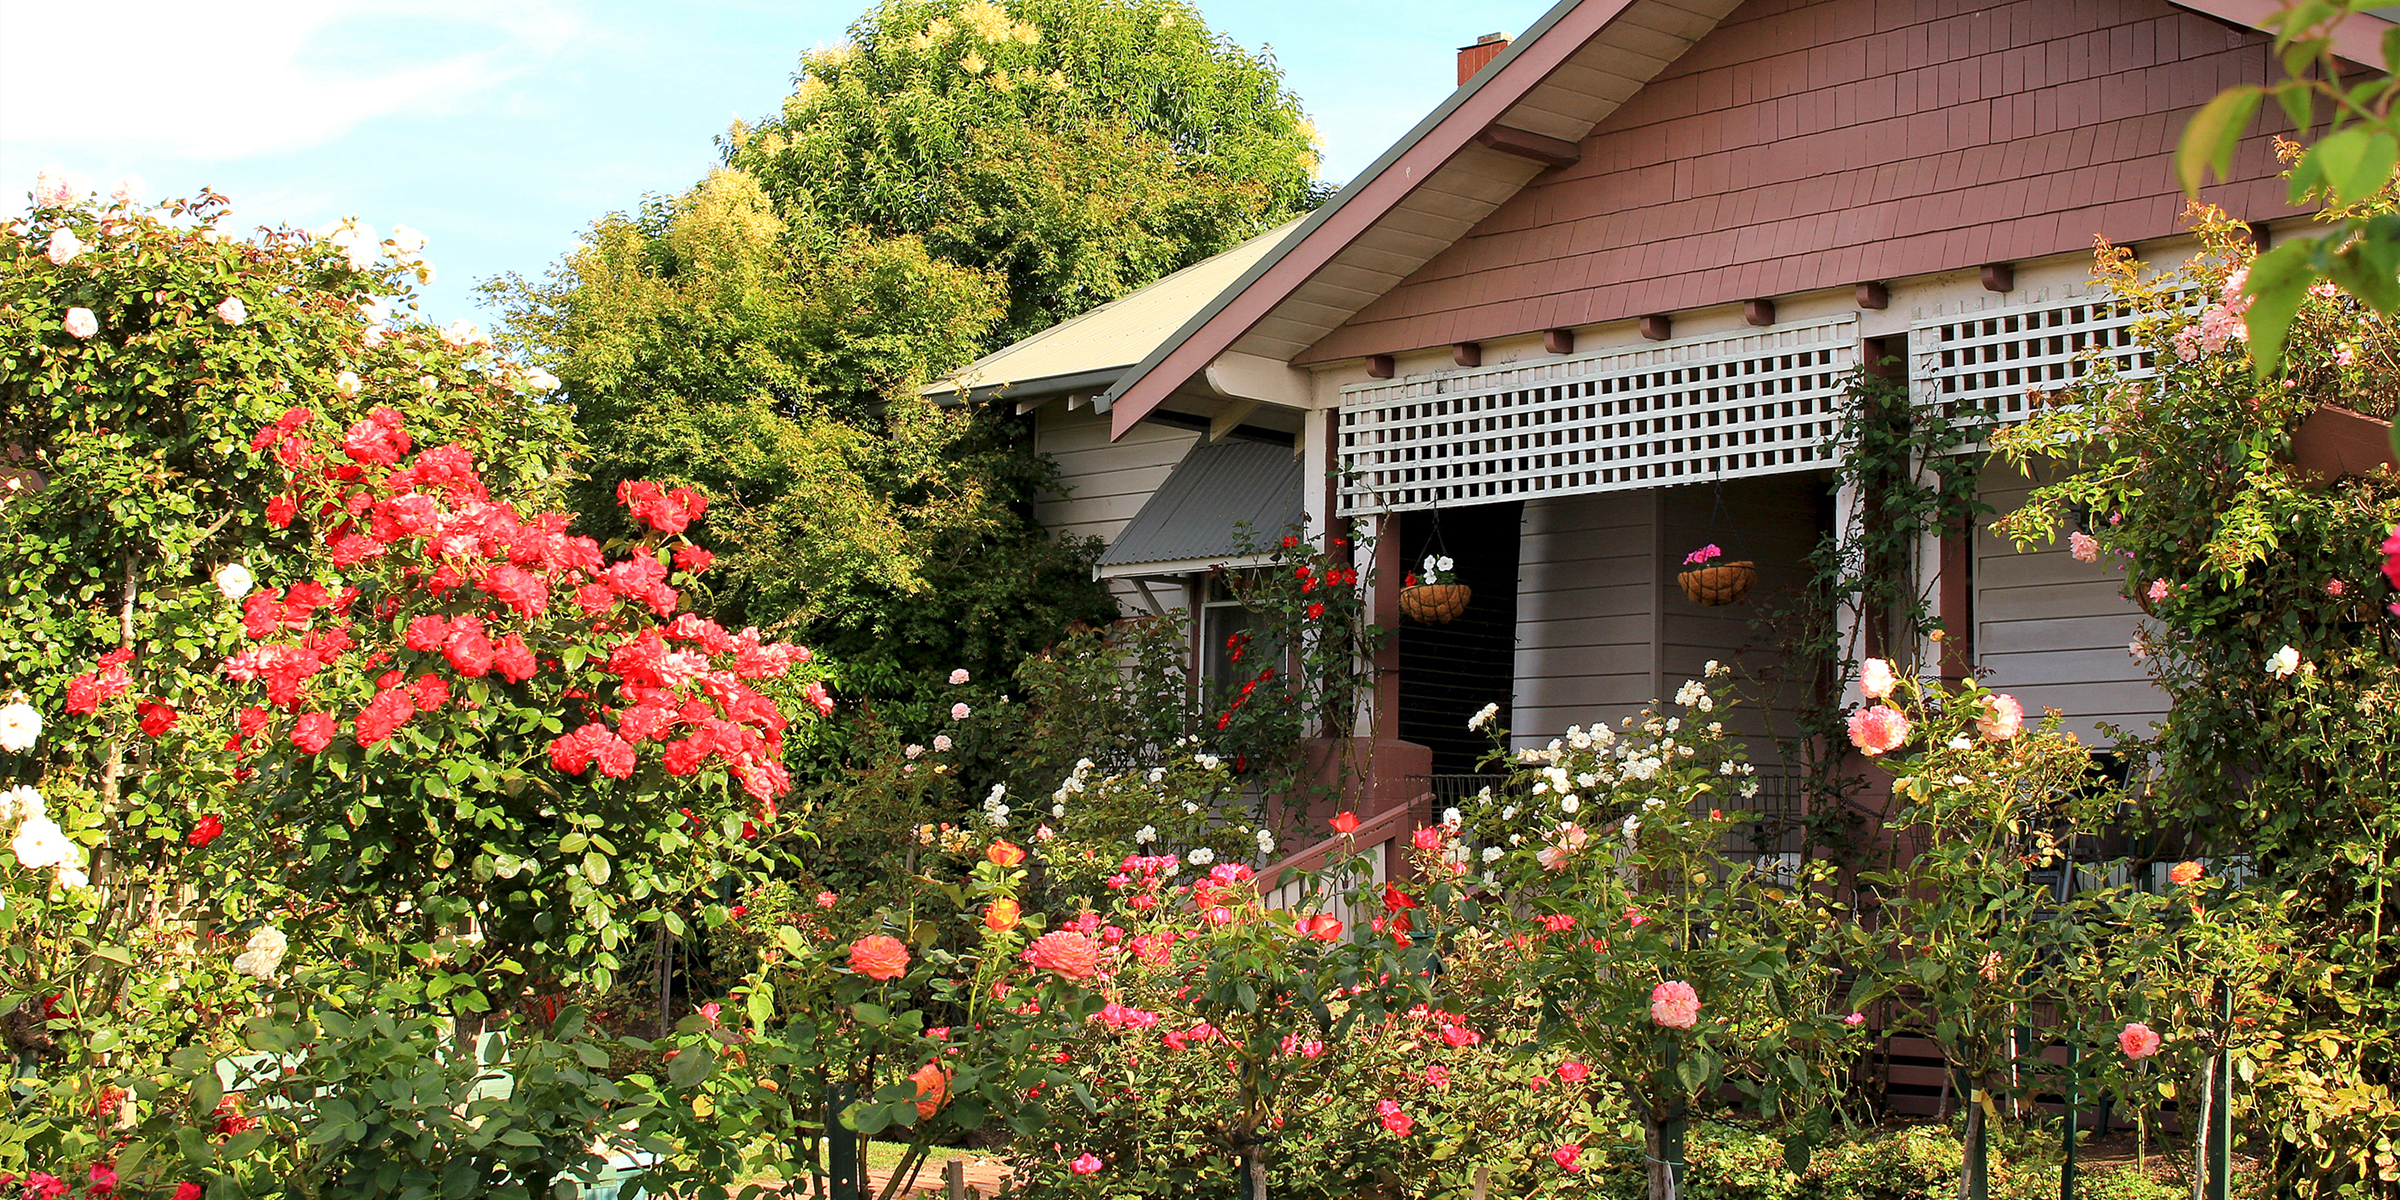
1693, 410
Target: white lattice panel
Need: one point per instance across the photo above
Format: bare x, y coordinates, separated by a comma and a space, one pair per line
1760, 402
1988, 362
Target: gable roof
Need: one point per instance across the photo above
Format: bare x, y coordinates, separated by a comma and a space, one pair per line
1573, 68
1090, 351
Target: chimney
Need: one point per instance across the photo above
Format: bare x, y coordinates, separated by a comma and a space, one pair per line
1485, 49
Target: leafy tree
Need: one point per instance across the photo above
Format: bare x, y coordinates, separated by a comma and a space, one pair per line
957, 175
1079, 148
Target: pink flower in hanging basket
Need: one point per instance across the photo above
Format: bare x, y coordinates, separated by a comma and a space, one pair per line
1702, 555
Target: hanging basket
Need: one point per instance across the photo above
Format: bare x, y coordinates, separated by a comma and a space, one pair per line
1434, 603
1715, 584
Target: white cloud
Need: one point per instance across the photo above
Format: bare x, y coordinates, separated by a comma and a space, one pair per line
228, 81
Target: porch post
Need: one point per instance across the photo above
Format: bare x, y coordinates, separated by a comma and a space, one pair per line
1389, 569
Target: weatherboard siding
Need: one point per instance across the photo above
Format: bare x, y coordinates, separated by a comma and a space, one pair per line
1771, 522
1103, 483
2054, 632
1587, 612
1815, 145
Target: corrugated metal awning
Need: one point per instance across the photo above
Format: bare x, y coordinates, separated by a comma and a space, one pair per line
1195, 520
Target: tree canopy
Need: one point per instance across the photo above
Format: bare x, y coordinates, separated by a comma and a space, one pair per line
958, 174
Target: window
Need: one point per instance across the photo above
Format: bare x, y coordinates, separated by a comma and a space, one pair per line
1234, 641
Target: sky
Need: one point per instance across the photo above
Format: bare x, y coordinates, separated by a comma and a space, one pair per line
502, 130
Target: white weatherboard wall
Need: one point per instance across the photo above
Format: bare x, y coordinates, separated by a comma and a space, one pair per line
1105, 482
2054, 632
1587, 611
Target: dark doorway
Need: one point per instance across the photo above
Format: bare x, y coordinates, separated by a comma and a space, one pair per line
1449, 671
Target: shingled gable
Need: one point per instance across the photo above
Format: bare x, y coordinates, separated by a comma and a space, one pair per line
1442, 241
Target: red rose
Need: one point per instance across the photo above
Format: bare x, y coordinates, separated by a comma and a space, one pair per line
513, 659
387, 712
517, 588
469, 652
1345, 823
280, 512
431, 692
205, 830
157, 716
426, 633
377, 441
693, 559
312, 732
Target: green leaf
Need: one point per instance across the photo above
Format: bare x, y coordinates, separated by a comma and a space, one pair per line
873, 1016
2356, 162
2278, 282
1795, 1154
691, 1066
2214, 132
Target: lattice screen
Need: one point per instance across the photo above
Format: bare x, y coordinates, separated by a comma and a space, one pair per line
1988, 361
1691, 411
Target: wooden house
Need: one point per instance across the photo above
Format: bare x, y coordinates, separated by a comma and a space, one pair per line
1601, 306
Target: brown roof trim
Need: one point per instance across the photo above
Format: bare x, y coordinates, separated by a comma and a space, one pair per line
1445, 131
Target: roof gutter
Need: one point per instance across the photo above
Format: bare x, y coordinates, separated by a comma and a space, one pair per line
1026, 389
1136, 393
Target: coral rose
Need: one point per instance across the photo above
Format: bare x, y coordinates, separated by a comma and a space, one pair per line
1066, 952
2138, 1041
933, 1089
1878, 729
1001, 915
1345, 823
1675, 1005
2003, 718
879, 956
1324, 927
1005, 854
2184, 874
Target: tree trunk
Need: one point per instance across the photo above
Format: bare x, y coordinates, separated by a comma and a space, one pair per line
1975, 1173
2200, 1129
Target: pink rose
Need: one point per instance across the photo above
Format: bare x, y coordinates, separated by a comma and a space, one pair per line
1086, 1163
1675, 1005
128, 190
2138, 1041
81, 323
818, 696
2158, 589
64, 246
2391, 557
51, 189
959, 712
958, 676
2083, 546
1855, 1019
2003, 718
1875, 679
232, 311
1878, 730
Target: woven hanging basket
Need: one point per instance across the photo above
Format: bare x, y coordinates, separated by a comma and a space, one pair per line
1718, 583
1434, 603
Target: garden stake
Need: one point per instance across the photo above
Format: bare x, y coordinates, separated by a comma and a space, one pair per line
841, 1149
2067, 1130
954, 1179
2220, 1119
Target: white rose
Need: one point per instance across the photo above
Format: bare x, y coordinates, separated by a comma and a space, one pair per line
540, 380
1483, 716
232, 311
407, 241
1145, 835
19, 726
348, 385
2283, 662
20, 803
40, 843
1202, 856
64, 246
234, 580
262, 956
1492, 853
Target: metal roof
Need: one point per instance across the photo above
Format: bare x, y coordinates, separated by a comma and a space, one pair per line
1194, 519
1088, 352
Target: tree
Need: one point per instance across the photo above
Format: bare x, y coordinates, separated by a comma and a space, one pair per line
1078, 148
957, 175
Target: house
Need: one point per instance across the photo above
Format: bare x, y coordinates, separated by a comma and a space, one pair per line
1602, 306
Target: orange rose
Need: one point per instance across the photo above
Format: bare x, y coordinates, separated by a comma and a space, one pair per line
2185, 874
1065, 951
1004, 854
1001, 916
933, 1089
877, 956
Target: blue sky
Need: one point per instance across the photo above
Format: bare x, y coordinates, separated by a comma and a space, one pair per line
501, 131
